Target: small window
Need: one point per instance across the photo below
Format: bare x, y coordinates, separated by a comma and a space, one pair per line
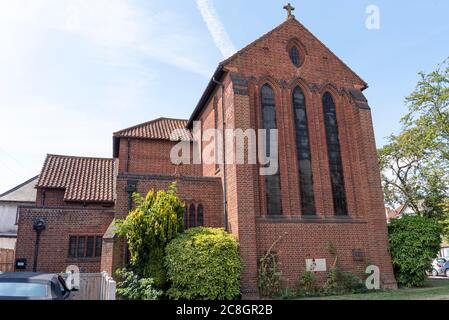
81, 246
98, 246
90, 247
200, 216
294, 56
186, 219
72, 247
85, 246
192, 216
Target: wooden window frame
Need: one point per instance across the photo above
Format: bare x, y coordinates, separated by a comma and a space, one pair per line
82, 254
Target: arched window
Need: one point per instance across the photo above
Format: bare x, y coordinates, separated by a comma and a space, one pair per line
186, 219
303, 153
200, 216
334, 154
294, 56
272, 182
192, 216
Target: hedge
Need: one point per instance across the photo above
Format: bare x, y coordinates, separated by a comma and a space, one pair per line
203, 263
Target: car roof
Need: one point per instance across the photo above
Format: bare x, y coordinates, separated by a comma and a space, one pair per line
28, 276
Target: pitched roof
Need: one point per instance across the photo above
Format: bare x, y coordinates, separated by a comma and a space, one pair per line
84, 179
24, 192
293, 20
160, 129
221, 66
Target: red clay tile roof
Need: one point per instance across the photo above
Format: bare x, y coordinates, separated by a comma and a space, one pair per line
161, 129
84, 179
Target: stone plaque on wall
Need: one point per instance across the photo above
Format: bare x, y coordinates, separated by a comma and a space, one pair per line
316, 265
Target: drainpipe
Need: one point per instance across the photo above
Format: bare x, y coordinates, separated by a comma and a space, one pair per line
225, 184
43, 197
127, 156
39, 226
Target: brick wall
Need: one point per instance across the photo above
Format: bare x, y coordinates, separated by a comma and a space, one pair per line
267, 62
50, 197
204, 190
61, 223
145, 156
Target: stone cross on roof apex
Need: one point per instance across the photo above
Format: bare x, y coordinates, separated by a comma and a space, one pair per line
289, 8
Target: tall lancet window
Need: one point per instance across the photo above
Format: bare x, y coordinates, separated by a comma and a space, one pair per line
334, 154
272, 182
303, 153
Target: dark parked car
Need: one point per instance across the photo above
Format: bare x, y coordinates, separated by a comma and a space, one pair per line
32, 286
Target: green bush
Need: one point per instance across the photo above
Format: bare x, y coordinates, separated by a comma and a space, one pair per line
132, 287
307, 286
340, 282
414, 242
155, 221
203, 263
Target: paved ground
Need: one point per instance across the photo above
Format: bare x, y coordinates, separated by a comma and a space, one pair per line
439, 278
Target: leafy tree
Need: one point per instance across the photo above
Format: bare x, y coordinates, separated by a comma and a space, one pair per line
155, 221
415, 163
412, 174
429, 109
414, 242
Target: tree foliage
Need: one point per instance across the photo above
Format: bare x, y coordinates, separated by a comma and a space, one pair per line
149, 227
204, 263
415, 163
414, 242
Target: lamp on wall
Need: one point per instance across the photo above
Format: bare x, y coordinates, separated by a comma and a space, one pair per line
38, 226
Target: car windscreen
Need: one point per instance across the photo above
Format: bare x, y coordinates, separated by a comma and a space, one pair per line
23, 289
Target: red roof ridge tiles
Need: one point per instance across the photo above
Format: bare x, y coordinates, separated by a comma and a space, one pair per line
158, 129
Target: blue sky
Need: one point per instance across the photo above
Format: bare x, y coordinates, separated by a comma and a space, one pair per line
74, 71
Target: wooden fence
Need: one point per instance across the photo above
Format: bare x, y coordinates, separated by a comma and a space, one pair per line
95, 286
6, 260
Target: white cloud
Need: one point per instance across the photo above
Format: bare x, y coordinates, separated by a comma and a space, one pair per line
216, 28
30, 129
109, 25
50, 99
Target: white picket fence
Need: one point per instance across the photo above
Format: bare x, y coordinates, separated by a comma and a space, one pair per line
107, 288
95, 286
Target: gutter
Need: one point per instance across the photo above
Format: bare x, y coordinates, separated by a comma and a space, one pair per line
219, 72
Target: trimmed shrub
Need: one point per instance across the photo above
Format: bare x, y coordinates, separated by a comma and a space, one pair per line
414, 242
203, 263
132, 287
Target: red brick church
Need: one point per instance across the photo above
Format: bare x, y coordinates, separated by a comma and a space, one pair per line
326, 192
